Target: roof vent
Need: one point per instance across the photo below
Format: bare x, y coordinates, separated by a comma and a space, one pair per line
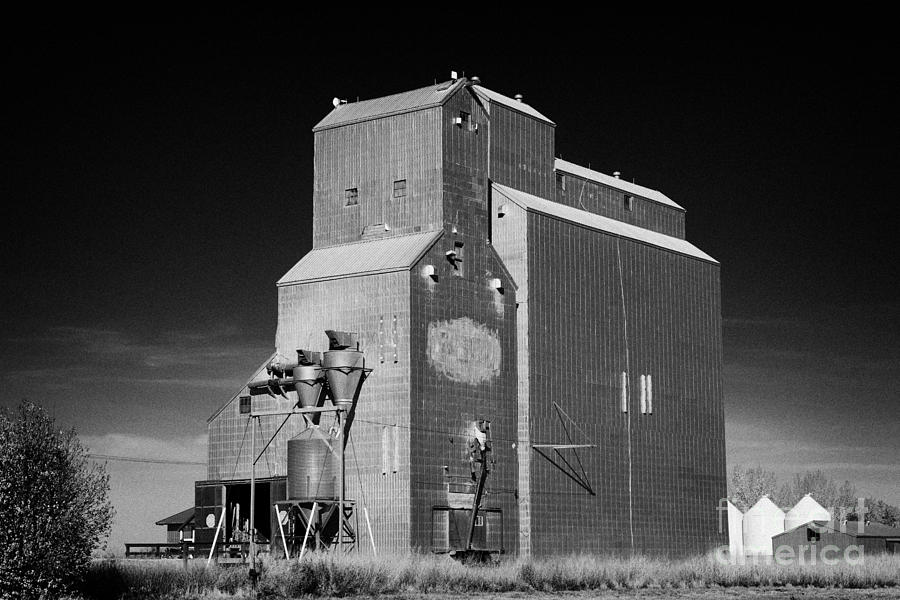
617, 174
518, 97
476, 80
453, 75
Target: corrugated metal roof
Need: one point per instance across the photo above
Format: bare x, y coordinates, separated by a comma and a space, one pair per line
352, 112
620, 184
581, 217
493, 96
384, 255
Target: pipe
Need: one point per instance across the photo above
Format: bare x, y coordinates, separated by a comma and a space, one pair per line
341, 484
216, 537
312, 515
262, 386
287, 554
369, 527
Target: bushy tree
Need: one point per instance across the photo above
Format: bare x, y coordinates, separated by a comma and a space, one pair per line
745, 487
878, 511
54, 506
823, 490
818, 485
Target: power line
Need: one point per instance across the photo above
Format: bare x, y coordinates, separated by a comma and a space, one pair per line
143, 460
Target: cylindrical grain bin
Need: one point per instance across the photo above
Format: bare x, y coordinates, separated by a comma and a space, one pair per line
735, 531
343, 371
312, 466
761, 522
308, 381
806, 510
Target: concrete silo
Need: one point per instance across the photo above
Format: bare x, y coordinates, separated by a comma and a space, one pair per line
806, 510
761, 522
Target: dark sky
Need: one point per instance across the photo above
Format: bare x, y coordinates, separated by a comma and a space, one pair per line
159, 180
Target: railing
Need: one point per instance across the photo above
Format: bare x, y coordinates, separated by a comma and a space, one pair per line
225, 553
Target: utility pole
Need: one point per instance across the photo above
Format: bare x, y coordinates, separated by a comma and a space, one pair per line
252, 499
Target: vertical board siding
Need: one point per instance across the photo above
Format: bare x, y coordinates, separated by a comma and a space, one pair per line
442, 409
604, 200
370, 156
510, 239
305, 310
521, 151
363, 305
577, 339
572, 297
465, 169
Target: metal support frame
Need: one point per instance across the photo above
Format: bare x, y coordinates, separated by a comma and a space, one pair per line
578, 475
344, 418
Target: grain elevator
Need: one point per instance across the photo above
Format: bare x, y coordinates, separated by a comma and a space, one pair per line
490, 288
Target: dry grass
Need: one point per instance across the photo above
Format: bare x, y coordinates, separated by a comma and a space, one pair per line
326, 575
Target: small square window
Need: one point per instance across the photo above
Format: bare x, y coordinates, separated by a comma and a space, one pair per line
629, 202
352, 196
464, 116
399, 188
245, 405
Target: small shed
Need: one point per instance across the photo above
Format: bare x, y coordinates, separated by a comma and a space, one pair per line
179, 527
818, 540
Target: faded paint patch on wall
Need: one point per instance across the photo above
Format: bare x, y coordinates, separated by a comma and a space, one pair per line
464, 351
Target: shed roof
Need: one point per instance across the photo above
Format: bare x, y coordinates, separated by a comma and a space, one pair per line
614, 182
383, 255
851, 528
395, 104
493, 96
180, 518
244, 390
605, 224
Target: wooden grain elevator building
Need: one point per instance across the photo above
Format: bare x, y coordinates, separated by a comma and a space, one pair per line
487, 279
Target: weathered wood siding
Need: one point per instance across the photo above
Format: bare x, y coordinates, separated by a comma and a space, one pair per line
465, 167
599, 306
522, 150
370, 156
463, 344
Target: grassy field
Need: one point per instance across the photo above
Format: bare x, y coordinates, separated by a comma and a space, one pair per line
408, 576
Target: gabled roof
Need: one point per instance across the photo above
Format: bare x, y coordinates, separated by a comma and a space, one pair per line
383, 255
493, 96
181, 518
614, 182
395, 104
419, 99
605, 224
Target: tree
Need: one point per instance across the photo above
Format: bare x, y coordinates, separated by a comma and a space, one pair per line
746, 487
54, 506
878, 511
818, 485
